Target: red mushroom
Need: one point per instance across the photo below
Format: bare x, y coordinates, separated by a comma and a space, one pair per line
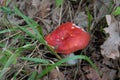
68, 38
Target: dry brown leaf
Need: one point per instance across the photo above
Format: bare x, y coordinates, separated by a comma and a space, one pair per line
56, 75
81, 19
47, 27
36, 3
117, 2
35, 8
110, 47
102, 8
93, 75
108, 74
44, 8
56, 15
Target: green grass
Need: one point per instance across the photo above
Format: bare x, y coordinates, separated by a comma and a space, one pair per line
89, 19
116, 12
59, 2
10, 56
48, 69
36, 60
33, 76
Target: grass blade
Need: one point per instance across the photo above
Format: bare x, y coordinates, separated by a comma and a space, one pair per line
48, 69
37, 60
7, 30
12, 59
33, 76
116, 12
33, 25
59, 2
89, 19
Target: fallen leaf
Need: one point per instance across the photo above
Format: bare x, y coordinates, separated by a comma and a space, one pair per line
56, 75
44, 8
102, 7
108, 74
110, 47
56, 16
91, 73
36, 3
81, 19
117, 2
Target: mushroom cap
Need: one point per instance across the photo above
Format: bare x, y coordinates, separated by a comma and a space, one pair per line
68, 38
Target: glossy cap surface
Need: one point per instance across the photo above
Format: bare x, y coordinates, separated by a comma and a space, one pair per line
68, 38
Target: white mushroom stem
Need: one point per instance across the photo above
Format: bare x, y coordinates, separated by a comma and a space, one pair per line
71, 62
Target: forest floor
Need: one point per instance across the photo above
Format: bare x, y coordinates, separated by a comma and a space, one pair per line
23, 55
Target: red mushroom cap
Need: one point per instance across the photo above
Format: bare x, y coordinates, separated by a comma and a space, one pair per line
68, 38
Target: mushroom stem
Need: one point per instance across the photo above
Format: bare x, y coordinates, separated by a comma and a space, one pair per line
71, 62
